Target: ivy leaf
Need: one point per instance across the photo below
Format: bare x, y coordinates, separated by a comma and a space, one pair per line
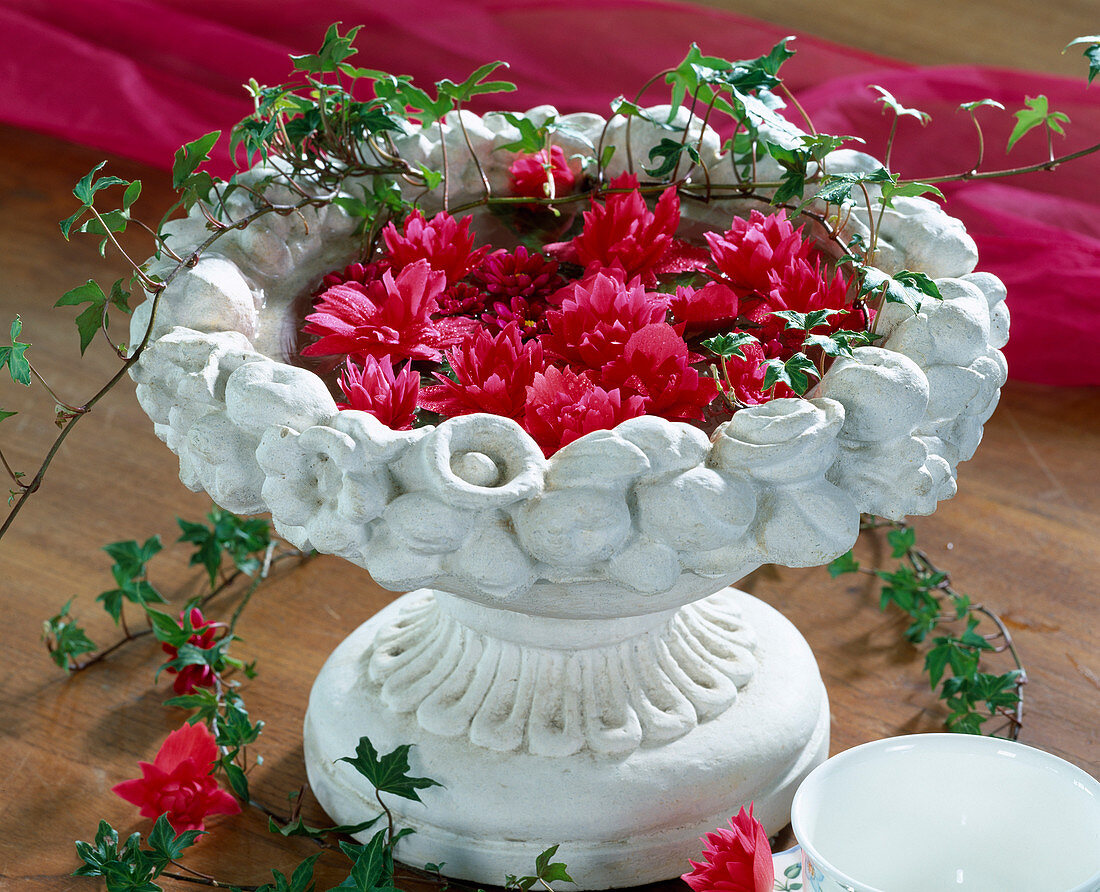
335, 48
905, 287
804, 321
88, 321
190, 155
670, 150
388, 773
839, 343
239, 538
1037, 113
475, 84
727, 345
166, 844
623, 106
846, 563
372, 864
1092, 52
837, 188
901, 541
13, 356
794, 372
64, 638
889, 102
5, 414
298, 827
890, 191
548, 871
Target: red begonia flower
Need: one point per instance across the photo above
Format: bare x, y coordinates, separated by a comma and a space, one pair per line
624, 231
363, 273
751, 252
563, 405
492, 372
593, 325
388, 317
735, 860
375, 389
656, 365
197, 675
446, 245
530, 177
178, 781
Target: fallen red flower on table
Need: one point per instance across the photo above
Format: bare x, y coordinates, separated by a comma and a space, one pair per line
736, 860
178, 782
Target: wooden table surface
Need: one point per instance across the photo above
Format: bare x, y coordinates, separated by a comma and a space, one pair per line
1021, 537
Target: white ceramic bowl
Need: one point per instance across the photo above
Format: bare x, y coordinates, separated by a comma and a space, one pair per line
948, 811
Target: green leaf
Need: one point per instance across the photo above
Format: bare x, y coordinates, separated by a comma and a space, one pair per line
890, 191
335, 48
1036, 113
238, 783
388, 773
13, 356
837, 188
846, 563
190, 155
94, 315
475, 84
796, 321
168, 845
906, 287
87, 185
727, 345
298, 827
794, 372
889, 102
670, 150
901, 541
980, 103
372, 864
5, 414
64, 638
792, 871
1092, 52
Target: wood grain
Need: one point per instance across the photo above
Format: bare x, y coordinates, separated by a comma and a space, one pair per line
1020, 537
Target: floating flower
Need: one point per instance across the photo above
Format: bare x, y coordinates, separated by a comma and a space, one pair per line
712, 308
375, 389
751, 252
563, 406
593, 325
198, 675
519, 273
492, 373
735, 860
624, 231
446, 245
531, 175
388, 317
178, 781
656, 365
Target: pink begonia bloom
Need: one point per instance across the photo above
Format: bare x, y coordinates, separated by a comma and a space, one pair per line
198, 675
735, 860
529, 179
593, 325
519, 273
529, 315
492, 372
363, 273
446, 244
563, 405
388, 317
751, 252
802, 287
624, 231
747, 377
178, 781
375, 389
462, 299
656, 365
710, 309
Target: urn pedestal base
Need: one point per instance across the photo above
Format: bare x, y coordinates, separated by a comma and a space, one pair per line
623, 740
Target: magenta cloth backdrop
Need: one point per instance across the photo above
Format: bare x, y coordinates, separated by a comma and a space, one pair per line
140, 77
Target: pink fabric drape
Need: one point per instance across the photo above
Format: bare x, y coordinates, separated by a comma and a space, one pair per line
141, 77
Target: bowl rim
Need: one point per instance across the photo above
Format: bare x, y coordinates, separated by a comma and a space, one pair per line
943, 741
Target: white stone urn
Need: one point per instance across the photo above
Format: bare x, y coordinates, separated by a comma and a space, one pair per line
571, 665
